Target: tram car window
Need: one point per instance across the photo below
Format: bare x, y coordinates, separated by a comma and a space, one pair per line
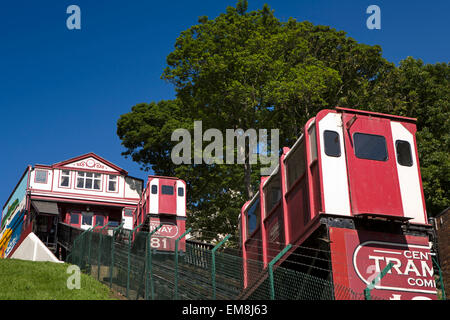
332, 143
295, 164
370, 146
253, 217
167, 190
404, 156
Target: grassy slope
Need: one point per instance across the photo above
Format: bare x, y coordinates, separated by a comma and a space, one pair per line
27, 280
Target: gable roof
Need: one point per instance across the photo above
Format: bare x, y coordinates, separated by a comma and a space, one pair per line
90, 164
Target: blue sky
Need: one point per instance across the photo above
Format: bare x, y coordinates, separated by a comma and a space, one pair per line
62, 91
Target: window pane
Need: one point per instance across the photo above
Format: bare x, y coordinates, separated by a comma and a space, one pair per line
80, 173
272, 193
112, 186
253, 215
97, 184
87, 220
80, 183
88, 183
112, 177
65, 172
404, 156
370, 146
41, 176
97, 175
295, 164
74, 218
99, 220
332, 143
167, 190
128, 212
89, 174
154, 189
65, 181
180, 192
312, 142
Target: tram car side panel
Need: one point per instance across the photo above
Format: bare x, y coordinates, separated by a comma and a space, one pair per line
251, 240
296, 195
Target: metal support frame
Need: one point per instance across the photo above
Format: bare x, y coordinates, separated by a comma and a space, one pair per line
270, 269
377, 279
148, 265
213, 264
175, 296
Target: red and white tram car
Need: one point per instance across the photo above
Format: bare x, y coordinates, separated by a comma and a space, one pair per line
351, 185
163, 202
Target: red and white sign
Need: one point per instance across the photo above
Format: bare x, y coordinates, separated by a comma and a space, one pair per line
168, 230
359, 256
164, 238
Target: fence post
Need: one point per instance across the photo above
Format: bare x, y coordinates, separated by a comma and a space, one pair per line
175, 297
271, 263
377, 279
440, 277
213, 264
148, 265
112, 254
99, 256
130, 236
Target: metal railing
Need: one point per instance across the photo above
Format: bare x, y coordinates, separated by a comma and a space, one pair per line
138, 270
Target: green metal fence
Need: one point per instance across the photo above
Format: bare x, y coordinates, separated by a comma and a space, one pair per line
126, 261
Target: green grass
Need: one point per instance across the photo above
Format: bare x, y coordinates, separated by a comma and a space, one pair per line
28, 280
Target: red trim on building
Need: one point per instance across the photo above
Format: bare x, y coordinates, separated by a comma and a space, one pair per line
88, 155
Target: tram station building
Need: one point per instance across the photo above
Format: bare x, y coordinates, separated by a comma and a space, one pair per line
82, 192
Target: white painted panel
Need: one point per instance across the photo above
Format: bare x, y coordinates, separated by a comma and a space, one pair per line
408, 177
334, 170
154, 199
181, 201
131, 190
127, 222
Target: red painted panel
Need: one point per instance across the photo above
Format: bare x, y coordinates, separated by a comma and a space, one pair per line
167, 202
297, 200
254, 261
358, 256
274, 228
374, 186
316, 191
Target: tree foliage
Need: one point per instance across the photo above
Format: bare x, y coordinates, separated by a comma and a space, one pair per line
250, 70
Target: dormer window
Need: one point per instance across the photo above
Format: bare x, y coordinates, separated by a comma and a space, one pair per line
89, 180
